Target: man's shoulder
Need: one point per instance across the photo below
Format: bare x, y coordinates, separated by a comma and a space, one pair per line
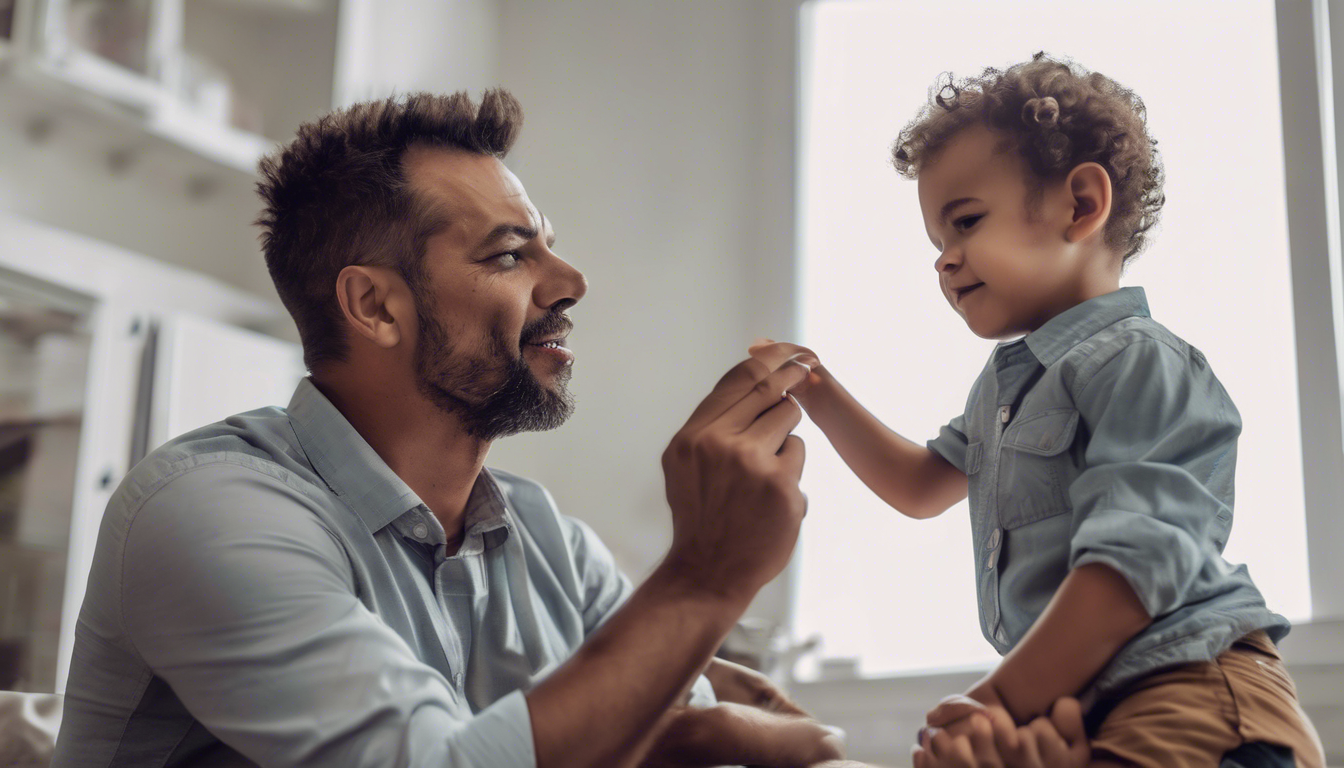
260, 440
527, 499
535, 510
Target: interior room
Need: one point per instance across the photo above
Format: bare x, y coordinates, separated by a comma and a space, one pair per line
721, 173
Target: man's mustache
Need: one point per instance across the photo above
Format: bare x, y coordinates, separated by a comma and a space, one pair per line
555, 323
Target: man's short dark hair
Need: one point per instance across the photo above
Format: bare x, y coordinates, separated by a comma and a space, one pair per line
337, 195
1056, 115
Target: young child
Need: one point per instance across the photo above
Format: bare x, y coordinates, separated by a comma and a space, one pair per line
1097, 450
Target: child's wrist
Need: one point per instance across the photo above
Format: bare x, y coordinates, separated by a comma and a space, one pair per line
820, 388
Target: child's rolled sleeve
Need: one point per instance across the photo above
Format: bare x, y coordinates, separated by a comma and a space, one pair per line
951, 442
1162, 446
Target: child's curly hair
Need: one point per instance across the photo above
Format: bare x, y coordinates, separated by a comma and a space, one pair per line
1057, 115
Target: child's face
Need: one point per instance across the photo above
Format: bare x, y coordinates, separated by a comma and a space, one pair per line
1004, 269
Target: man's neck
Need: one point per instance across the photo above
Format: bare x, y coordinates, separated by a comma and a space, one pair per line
426, 447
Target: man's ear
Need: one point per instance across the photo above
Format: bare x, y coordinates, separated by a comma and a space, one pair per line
375, 302
1089, 189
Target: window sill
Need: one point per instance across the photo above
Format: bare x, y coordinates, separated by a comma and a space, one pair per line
881, 714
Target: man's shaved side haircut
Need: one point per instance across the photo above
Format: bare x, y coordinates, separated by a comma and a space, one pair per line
337, 195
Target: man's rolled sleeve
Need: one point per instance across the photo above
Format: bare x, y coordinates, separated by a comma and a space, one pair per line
1163, 433
236, 594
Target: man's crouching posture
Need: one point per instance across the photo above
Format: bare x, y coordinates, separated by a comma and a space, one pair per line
342, 582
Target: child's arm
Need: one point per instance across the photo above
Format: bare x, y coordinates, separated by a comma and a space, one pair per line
911, 478
1090, 618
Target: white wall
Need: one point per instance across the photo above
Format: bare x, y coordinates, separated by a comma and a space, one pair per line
659, 141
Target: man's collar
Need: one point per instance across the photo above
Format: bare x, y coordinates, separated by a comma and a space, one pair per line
356, 473
1076, 324
349, 465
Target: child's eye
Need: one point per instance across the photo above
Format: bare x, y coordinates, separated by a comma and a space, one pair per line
966, 222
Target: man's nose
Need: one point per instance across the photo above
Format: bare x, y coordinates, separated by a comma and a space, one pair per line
563, 283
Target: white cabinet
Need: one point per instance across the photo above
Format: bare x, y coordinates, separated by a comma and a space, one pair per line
103, 356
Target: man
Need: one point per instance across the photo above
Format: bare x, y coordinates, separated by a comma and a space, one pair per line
342, 582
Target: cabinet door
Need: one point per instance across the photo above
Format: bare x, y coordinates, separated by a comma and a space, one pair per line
202, 371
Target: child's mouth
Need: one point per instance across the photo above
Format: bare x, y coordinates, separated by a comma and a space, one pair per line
962, 292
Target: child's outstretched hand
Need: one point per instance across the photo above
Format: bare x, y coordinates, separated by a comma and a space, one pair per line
775, 353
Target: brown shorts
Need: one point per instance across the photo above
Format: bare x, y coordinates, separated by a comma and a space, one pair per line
1190, 716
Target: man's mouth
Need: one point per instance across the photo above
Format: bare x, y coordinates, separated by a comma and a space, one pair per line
551, 342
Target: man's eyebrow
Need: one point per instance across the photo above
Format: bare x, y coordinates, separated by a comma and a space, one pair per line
504, 230
952, 206
546, 224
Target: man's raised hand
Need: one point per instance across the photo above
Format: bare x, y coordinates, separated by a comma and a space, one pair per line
732, 477
775, 353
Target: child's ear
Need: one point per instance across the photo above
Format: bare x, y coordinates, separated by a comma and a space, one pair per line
1090, 192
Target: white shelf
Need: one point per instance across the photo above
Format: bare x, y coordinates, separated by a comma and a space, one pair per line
304, 7
124, 110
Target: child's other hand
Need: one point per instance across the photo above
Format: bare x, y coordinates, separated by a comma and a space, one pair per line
989, 737
953, 709
776, 353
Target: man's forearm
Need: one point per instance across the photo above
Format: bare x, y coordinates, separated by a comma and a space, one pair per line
600, 707
737, 734
1091, 617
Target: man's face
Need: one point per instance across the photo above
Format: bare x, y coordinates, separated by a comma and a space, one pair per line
1005, 269
491, 341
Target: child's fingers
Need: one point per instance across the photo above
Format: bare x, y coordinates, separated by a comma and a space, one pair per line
774, 353
1005, 731
1053, 750
986, 752
1028, 753
951, 709
950, 751
1067, 717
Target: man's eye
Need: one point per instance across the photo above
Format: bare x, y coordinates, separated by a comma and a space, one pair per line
966, 222
509, 259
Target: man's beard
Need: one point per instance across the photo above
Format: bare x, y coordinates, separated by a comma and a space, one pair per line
498, 395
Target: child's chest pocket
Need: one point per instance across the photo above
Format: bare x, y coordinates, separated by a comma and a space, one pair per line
1035, 466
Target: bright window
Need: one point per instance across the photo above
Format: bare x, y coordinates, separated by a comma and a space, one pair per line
899, 594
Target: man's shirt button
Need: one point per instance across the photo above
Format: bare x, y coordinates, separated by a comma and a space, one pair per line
420, 530
994, 539
1005, 413
992, 561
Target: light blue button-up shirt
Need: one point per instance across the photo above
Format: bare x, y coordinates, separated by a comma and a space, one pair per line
266, 590
1104, 438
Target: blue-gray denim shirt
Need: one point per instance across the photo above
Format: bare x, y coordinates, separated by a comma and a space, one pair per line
1102, 437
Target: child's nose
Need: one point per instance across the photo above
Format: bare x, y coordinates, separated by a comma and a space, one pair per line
948, 260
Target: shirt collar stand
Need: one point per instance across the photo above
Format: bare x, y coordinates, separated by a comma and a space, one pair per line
1076, 324
346, 463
